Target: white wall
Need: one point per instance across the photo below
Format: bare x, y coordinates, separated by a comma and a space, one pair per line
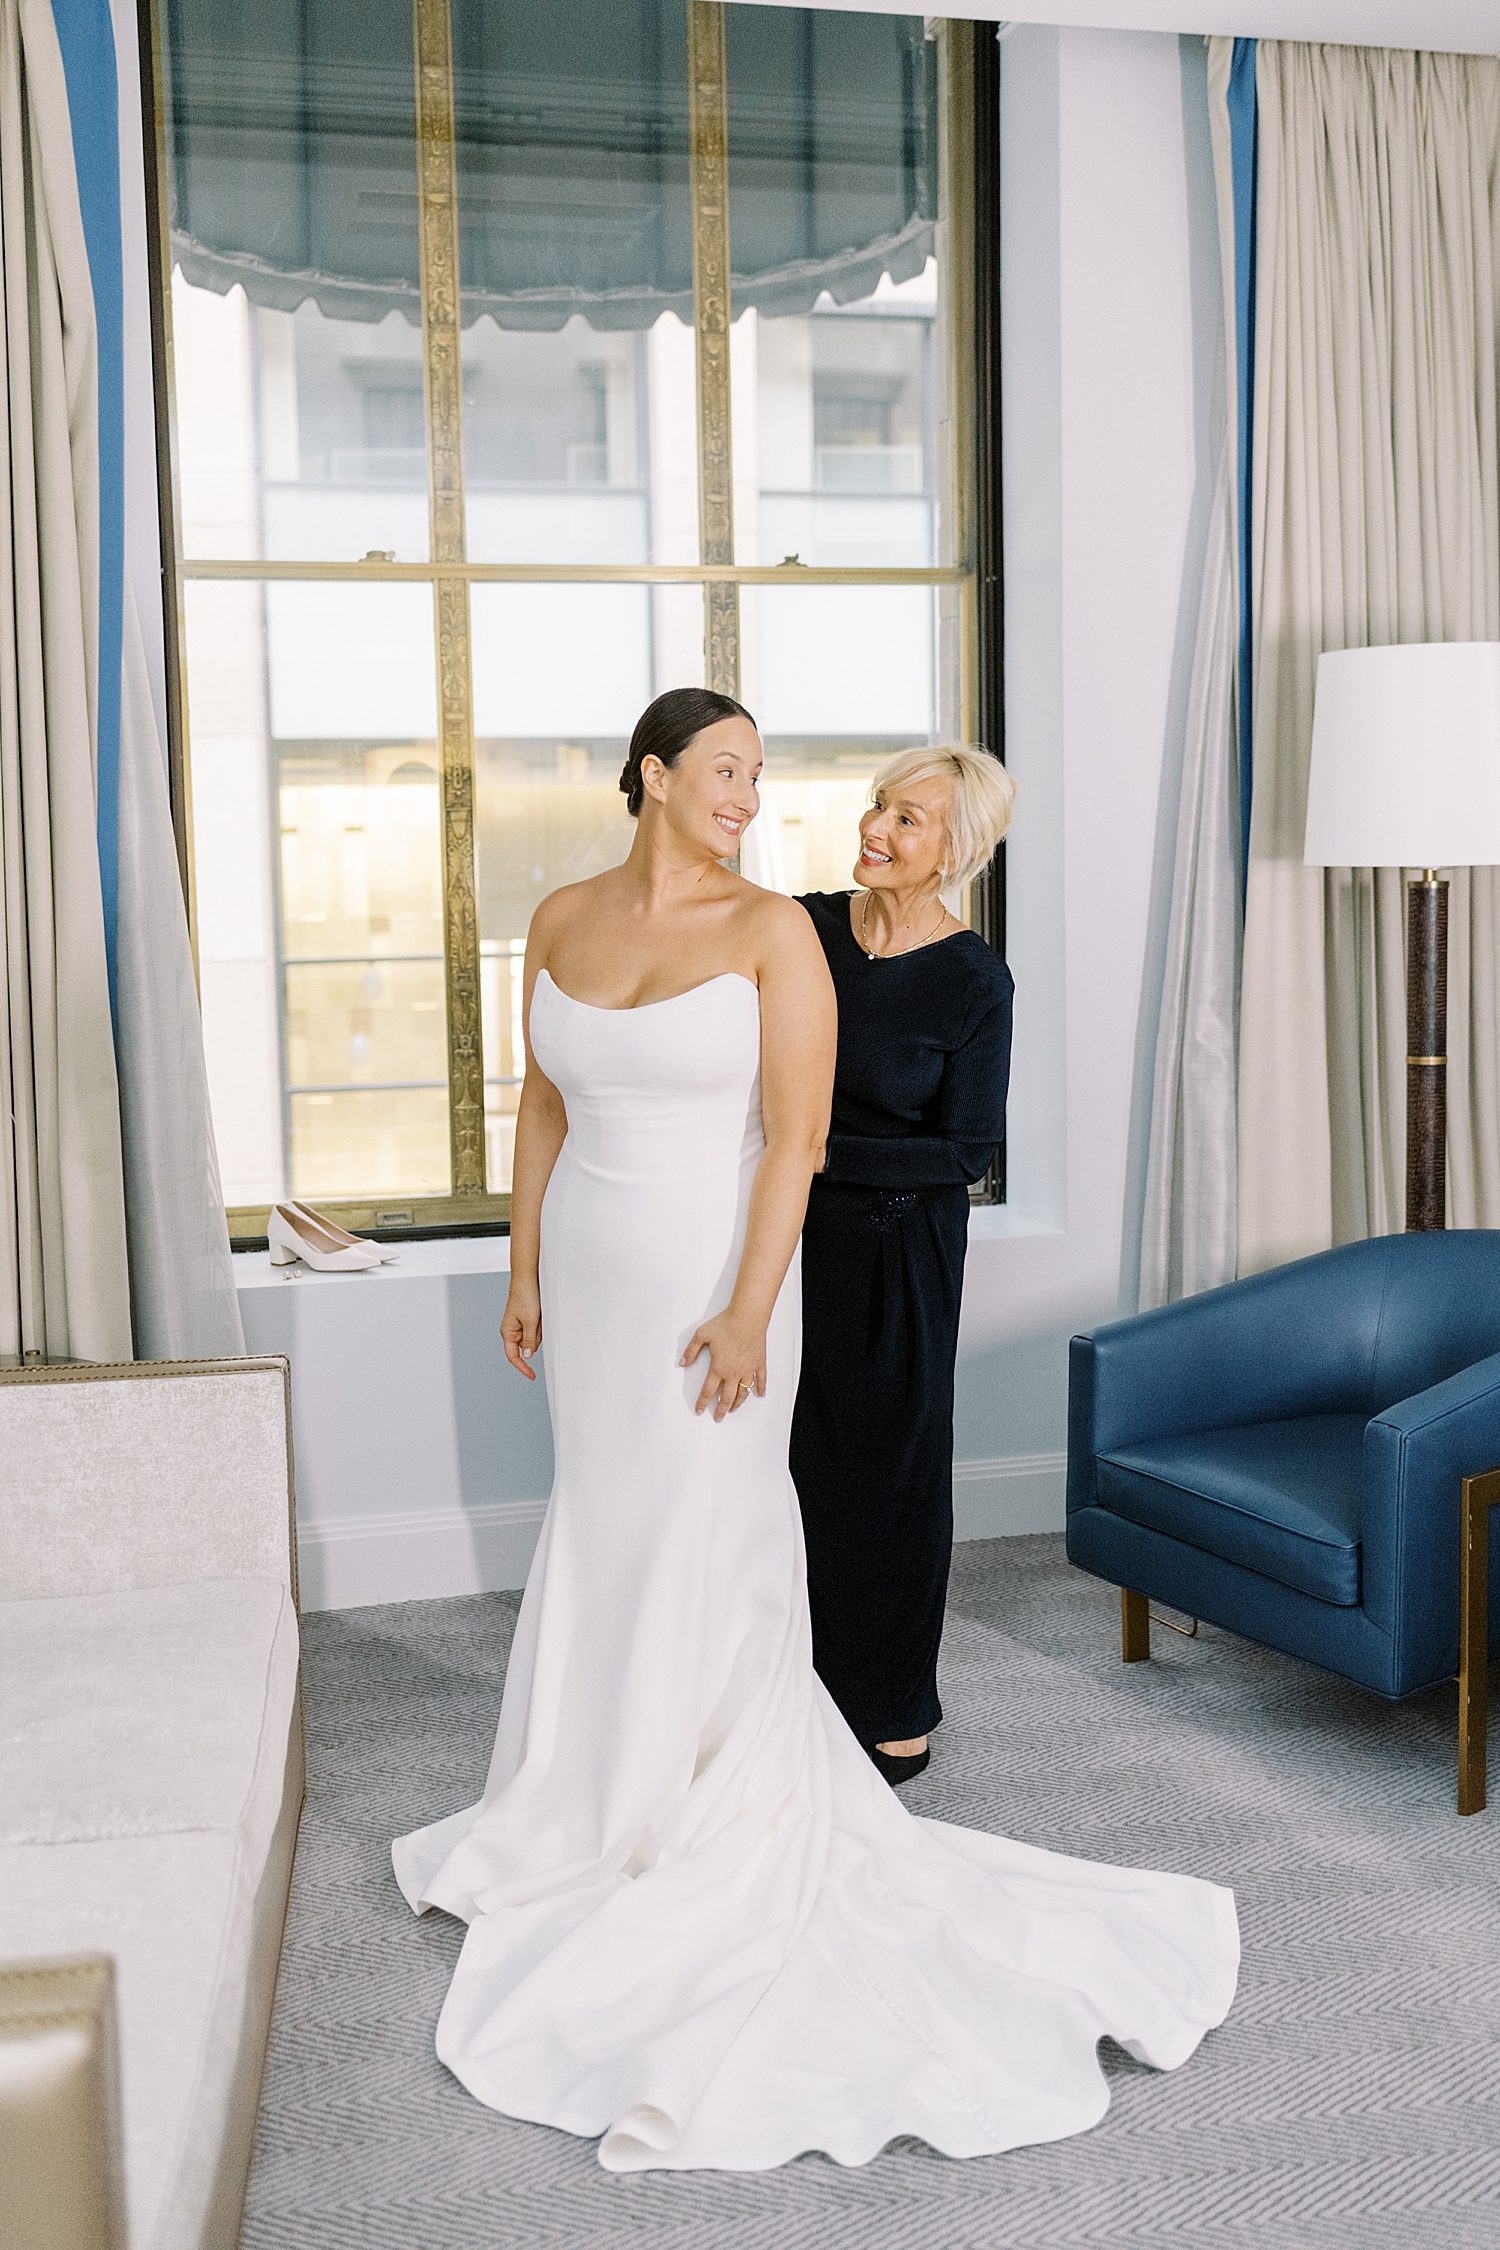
1110, 311
422, 1463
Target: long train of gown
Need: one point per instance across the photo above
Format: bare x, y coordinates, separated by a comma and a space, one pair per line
701, 1927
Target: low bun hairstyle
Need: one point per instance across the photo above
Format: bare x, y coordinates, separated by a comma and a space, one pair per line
666, 727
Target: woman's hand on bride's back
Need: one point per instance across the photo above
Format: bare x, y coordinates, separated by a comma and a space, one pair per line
736, 1363
521, 1327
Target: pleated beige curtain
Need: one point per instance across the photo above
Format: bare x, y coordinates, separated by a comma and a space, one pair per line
64, 1282
1376, 520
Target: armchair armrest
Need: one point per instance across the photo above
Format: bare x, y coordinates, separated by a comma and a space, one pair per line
1416, 1456
147, 1474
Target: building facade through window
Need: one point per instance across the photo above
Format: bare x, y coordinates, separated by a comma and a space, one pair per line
525, 363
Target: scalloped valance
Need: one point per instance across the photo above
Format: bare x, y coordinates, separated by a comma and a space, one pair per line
292, 156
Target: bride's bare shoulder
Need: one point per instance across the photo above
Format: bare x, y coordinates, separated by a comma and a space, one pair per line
557, 912
781, 929
768, 910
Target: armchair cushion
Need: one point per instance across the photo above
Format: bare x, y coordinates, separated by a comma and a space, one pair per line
1280, 1498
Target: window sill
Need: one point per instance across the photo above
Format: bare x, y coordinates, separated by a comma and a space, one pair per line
419, 1261
449, 1254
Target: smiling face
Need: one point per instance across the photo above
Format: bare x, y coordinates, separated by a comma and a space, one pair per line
903, 838
708, 799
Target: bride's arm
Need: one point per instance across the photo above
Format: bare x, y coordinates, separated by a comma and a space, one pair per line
798, 1037
541, 1129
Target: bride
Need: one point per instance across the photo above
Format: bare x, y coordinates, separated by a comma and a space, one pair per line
701, 1927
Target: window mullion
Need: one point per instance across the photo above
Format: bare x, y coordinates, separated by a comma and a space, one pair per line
709, 191
437, 189
957, 411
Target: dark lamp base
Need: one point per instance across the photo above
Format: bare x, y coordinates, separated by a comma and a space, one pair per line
1426, 1055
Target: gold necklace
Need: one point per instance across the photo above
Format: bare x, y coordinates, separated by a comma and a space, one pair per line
910, 946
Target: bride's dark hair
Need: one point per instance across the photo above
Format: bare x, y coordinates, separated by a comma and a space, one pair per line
666, 727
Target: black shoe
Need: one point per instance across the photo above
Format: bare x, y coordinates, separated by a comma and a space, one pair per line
897, 1770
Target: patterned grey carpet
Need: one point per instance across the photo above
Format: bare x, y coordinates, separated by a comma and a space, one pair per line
1351, 2102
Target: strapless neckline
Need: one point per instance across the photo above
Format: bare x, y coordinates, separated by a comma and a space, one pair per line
726, 976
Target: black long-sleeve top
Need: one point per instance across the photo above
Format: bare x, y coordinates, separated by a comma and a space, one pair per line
923, 1056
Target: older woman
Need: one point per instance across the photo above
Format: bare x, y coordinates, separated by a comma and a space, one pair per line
918, 1111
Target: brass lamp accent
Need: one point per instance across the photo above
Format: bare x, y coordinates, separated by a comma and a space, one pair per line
1406, 773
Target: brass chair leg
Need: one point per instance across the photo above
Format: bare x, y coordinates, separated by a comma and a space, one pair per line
1135, 1627
1480, 1494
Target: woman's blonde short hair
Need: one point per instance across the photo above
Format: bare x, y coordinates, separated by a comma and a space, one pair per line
978, 811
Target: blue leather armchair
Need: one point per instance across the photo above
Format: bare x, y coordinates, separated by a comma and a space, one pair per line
1285, 1457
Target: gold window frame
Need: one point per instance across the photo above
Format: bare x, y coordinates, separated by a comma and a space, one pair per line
470, 1206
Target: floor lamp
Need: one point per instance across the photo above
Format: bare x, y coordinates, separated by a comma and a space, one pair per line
1406, 773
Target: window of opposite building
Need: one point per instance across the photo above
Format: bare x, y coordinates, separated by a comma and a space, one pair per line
526, 361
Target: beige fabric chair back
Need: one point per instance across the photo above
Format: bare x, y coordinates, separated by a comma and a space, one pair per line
146, 1474
61, 2176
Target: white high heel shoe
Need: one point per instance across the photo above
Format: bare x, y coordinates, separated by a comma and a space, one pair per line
293, 1235
386, 1256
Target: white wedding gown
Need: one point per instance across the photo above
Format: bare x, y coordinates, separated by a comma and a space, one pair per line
701, 1927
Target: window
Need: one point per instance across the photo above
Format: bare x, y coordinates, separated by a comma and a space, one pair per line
527, 361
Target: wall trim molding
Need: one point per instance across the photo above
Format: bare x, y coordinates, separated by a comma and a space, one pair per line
418, 1520
420, 1555
1010, 1465
426, 1554
1008, 1496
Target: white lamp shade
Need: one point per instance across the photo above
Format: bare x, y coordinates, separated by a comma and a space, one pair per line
1406, 757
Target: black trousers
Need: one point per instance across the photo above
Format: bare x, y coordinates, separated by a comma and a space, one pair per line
872, 1444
